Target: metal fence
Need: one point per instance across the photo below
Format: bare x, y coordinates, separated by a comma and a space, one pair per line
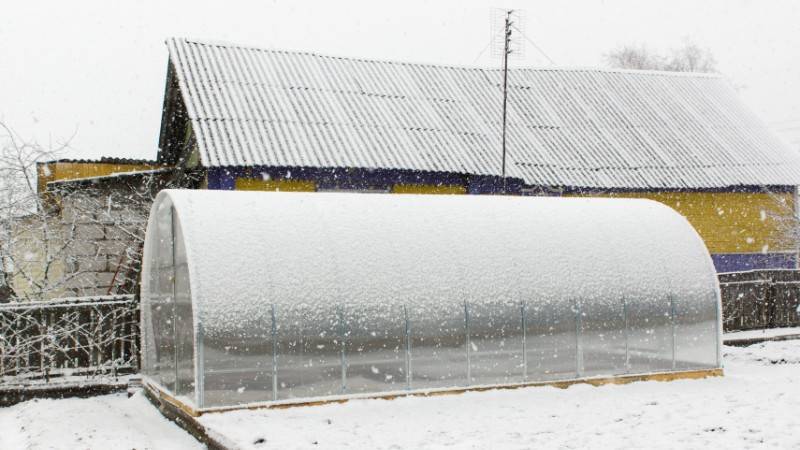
65, 339
760, 299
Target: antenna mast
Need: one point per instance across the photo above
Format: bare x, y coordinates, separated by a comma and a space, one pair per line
506, 52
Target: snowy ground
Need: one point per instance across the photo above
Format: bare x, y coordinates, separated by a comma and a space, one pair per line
764, 333
756, 405
105, 422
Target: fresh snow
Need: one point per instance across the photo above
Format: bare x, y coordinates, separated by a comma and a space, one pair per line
755, 405
104, 423
764, 333
248, 251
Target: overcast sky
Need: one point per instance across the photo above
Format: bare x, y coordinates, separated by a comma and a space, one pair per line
94, 70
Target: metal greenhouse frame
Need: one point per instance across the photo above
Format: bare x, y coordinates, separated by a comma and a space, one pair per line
269, 299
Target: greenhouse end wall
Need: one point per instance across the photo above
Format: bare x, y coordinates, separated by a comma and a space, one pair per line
253, 298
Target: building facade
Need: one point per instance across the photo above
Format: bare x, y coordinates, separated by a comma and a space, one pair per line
85, 238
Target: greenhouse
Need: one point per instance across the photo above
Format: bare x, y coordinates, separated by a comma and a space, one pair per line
267, 298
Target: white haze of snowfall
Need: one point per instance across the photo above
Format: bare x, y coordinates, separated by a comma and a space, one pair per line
249, 250
754, 406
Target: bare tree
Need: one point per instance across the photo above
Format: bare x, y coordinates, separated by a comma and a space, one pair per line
634, 57
689, 57
29, 238
72, 239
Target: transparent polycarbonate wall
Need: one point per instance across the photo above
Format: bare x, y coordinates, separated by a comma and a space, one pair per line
263, 297
169, 335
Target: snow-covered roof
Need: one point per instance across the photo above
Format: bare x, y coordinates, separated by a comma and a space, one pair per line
566, 127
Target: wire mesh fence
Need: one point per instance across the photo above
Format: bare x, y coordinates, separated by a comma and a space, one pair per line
760, 299
81, 338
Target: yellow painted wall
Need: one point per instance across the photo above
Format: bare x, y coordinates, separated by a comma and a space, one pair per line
255, 184
428, 189
731, 222
57, 171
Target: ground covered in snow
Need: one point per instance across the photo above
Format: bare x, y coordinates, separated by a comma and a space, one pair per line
105, 422
756, 405
762, 333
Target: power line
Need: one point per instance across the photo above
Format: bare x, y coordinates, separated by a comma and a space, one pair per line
488, 44
535, 46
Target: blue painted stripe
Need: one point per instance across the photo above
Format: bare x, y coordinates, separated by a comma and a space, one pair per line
737, 262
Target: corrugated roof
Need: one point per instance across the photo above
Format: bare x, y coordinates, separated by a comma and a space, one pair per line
566, 127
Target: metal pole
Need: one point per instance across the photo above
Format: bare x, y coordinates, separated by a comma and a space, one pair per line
200, 376
467, 342
344, 357
174, 300
627, 336
717, 327
506, 51
524, 343
408, 348
274, 354
673, 319
578, 349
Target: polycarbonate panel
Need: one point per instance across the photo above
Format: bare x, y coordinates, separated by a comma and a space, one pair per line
309, 350
375, 348
161, 305
495, 343
602, 336
184, 332
550, 340
696, 331
238, 368
340, 323
438, 345
650, 334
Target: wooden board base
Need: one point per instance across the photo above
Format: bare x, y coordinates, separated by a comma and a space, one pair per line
165, 397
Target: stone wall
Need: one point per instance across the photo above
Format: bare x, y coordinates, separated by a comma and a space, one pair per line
97, 230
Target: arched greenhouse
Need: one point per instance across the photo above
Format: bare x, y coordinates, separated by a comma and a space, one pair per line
274, 298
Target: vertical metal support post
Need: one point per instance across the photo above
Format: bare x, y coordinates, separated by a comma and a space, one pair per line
343, 344
718, 326
200, 369
674, 323
578, 343
524, 342
409, 375
274, 354
467, 342
627, 336
174, 300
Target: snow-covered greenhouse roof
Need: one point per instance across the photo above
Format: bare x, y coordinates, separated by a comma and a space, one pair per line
252, 297
567, 127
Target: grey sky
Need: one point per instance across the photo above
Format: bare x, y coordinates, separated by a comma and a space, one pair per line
97, 68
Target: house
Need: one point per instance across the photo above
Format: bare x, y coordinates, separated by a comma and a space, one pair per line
85, 239
249, 118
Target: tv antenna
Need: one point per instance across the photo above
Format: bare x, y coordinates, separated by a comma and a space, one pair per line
510, 19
